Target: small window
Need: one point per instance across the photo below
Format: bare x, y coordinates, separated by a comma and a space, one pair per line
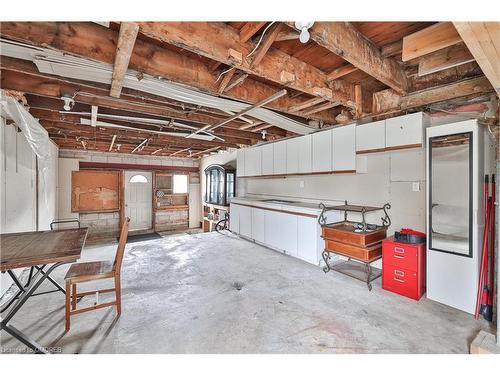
180, 184
138, 179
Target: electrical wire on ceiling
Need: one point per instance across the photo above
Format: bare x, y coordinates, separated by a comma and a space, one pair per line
251, 52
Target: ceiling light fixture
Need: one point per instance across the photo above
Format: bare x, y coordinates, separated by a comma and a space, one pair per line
264, 133
304, 27
69, 102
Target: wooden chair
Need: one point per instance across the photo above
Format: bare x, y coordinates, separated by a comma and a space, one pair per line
91, 271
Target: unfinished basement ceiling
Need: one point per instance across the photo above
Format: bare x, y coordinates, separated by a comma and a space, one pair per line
180, 75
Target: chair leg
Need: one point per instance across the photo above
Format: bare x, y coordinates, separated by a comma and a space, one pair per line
118, 294
68, 299
73, 297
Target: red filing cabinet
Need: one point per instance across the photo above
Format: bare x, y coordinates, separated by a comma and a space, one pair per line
403, 268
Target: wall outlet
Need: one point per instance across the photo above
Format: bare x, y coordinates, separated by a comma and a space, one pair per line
302, 184
415, 186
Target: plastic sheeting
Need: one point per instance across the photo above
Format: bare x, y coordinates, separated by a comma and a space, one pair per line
35, 134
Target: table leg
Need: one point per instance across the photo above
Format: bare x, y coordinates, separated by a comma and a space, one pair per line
30, 289
56, 284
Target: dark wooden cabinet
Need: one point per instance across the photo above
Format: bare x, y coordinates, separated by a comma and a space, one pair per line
220, 184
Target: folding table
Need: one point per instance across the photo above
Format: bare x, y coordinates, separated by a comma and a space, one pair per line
36, 250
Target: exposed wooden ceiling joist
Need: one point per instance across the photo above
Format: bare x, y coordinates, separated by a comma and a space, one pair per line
126, 41
446, 58
218, 41
94, 42
388, 101
483, 41
345, 40
266, 43
249, 30
430, 39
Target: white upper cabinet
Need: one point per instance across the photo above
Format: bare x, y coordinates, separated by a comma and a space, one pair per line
240, 163
371, 136
405, 130
253, 161
292, 155
305, 154
322, 151
280, 157
267, 159
344, 148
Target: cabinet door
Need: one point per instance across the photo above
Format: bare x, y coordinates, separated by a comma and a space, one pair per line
258, 225
279, 157
404, 130
370, 136
344, 148
240, 162
322, 151
234, 218
288, 229
292, 155
305, 154
253, 161
245, 221
307, 239
272, 231
267, 159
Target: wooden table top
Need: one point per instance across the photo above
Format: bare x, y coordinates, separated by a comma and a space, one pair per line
26, 249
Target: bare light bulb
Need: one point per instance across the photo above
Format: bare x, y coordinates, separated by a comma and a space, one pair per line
304, 35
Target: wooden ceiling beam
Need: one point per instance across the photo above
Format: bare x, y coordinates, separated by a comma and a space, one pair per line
92, 41
346, 41
306, 104
392, 49
126, 41
221, 42
341, 71
249, 29
388, 101
319, 108
430, 39
266, 43
483, 41
446, 58
237, 81
226, 78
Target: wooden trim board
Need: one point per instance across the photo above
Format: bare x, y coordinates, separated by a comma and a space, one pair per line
276, 210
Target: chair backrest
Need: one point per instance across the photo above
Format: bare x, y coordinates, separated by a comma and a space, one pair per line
121, 246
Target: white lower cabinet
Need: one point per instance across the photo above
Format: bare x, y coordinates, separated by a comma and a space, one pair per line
281, 231
294, 235
234, 219
245, 220
258, 225
307, 233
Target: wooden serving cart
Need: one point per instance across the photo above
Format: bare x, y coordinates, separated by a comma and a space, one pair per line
359, 242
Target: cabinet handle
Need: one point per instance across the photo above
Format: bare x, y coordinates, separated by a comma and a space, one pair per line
399, 250
399, 273
398, 280
398, 256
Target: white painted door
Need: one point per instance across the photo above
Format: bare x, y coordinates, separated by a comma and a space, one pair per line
195, 206
138, 199
246, 221
292, 155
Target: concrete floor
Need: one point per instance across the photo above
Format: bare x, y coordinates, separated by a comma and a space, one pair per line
216, 293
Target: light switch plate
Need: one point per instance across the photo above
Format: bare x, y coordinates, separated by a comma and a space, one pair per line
415, 186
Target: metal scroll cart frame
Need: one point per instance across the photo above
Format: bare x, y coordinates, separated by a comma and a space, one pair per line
353, 267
